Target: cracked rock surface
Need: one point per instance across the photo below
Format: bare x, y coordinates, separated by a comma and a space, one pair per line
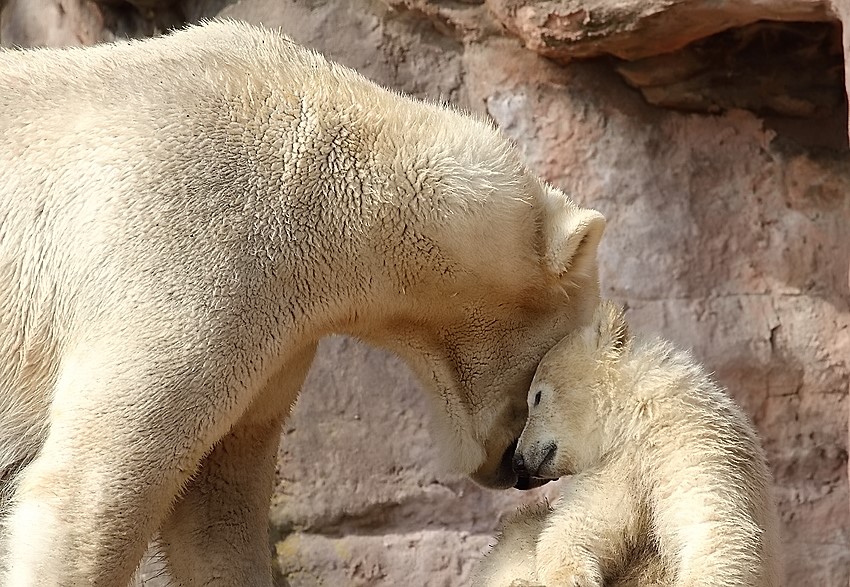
631, 29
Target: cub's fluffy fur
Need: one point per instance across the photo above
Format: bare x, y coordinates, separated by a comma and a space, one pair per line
671, 485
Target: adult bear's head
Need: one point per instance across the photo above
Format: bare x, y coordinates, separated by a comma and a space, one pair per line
499, 270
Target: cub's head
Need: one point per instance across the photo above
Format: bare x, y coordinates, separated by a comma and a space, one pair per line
566, 428
517, 276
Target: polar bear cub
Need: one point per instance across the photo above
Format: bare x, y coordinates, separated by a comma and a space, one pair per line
665, 466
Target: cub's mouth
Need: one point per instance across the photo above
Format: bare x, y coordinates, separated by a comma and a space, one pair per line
525, 482
529, 479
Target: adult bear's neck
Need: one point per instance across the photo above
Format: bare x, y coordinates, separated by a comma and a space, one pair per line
360, 190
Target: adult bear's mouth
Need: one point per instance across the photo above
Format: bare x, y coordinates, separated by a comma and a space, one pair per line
500, 477
505, 477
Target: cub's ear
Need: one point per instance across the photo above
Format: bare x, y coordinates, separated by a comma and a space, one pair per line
611, 329
571, 237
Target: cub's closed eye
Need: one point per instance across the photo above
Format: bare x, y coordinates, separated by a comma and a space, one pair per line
537, 398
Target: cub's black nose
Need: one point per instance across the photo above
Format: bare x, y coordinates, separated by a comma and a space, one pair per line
519, 465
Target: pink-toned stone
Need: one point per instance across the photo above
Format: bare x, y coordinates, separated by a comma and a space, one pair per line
376, 559
54, 23
68, 23
464, 19
842, 9
728, 239
631, 29
640, 29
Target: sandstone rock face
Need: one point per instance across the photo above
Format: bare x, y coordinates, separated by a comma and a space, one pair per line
728, 233
631, 29
791, 70
28, 23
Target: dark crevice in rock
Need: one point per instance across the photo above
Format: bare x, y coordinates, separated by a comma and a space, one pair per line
404, 516
140, 19
791, 74
634, 29
32, 23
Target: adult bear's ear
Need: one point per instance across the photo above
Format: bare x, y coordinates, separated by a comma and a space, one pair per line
611, 328
571, 236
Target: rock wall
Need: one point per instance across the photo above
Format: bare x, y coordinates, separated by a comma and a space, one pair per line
729, 232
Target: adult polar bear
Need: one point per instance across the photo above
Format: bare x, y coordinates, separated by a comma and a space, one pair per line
182, 219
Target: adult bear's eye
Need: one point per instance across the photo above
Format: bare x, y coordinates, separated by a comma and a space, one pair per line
537, 398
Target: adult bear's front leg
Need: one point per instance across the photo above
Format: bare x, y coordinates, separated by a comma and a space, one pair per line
217, 533
121, 444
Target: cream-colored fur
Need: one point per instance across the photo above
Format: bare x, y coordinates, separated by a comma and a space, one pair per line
662, 460
512, 561
181, 220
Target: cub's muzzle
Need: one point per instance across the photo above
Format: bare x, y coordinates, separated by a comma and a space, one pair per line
534, 461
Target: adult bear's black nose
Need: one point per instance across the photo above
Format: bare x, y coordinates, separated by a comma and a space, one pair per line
519, 465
